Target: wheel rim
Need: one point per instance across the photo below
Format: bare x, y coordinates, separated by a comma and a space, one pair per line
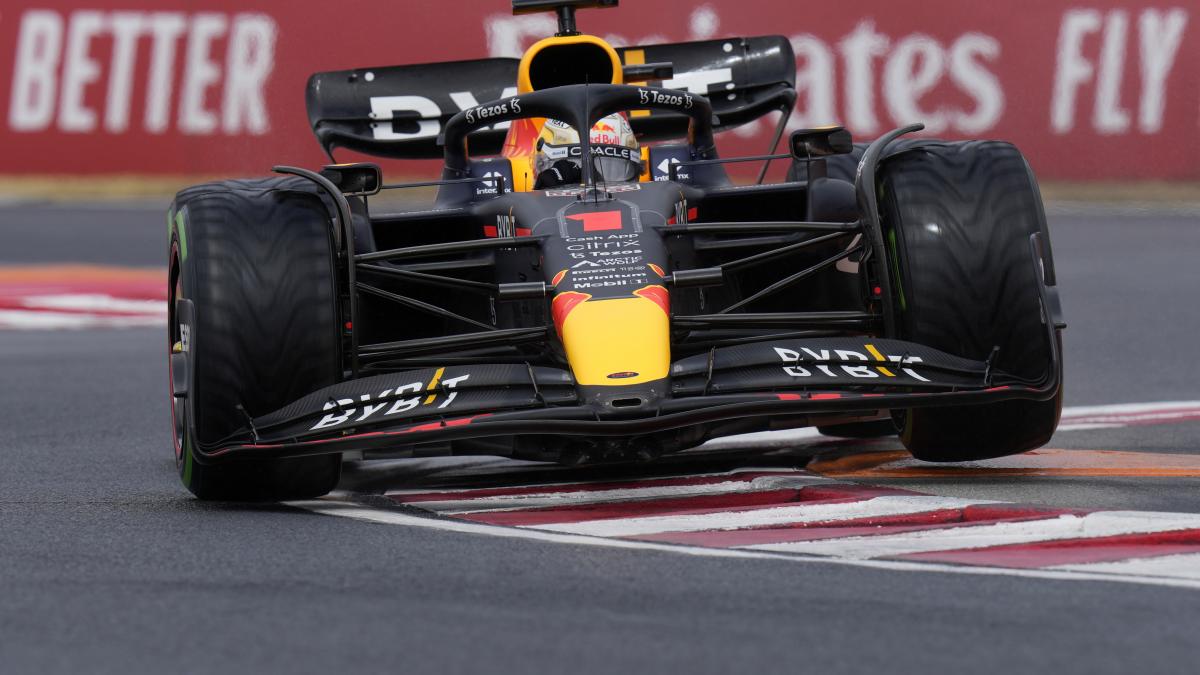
175, 336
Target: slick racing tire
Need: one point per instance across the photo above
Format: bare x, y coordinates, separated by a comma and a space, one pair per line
958, 218
253, 323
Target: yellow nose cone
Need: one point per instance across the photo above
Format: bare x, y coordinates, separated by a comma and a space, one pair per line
619, 341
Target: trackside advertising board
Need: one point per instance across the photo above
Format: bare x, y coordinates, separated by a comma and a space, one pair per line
1089, 89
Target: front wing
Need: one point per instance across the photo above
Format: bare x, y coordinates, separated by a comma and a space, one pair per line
820, 376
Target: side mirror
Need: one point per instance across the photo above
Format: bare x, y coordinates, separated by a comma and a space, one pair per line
363, 178
814, 143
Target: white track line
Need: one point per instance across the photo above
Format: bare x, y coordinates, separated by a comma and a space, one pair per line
763, 440
778, 515
583, 496
1182, 566
465, 493
1075, 418
38, 320
390, 517
1093, 525
1075, 412
95, 302
1067, 426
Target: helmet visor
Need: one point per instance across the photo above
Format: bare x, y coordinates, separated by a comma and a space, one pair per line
611, 163
614, 169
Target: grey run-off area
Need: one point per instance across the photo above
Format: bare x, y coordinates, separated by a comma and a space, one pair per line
107, 565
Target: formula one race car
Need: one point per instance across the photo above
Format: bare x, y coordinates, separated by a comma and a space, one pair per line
596, 287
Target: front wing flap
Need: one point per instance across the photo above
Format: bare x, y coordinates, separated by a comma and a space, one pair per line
396, 398
825, 363
784, 377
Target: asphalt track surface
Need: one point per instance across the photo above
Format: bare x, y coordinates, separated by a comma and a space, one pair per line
107, 564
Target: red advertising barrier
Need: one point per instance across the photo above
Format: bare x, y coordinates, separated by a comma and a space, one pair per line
1089, 89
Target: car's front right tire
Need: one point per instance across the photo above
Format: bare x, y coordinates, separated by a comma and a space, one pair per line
958, 218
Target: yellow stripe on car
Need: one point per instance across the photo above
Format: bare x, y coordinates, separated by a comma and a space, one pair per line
879, 357
437, 377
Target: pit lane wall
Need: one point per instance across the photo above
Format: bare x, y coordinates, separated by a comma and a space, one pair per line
1089, 89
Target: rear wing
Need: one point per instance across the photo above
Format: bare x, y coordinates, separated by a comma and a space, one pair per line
399, 111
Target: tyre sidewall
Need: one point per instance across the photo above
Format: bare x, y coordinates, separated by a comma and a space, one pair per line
239, 480
971, 287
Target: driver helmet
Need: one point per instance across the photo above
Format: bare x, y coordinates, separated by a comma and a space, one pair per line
615, 153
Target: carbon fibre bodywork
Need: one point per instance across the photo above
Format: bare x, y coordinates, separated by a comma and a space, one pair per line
596, 320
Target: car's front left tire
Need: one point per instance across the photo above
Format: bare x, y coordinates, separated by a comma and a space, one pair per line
254, 325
